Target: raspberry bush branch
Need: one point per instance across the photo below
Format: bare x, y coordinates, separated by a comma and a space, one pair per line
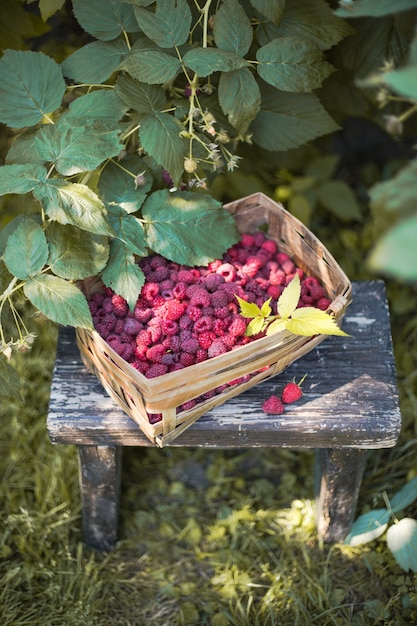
306, 321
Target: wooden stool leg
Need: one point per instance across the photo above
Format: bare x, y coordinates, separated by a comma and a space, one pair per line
338, 479
100, 471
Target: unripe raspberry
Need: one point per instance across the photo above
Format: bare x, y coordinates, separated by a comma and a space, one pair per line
190, 165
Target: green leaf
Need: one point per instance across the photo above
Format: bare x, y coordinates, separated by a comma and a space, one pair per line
405, 496
288, 300
152, 67
95, 62
403, 81
160, 138
362, 8
9, 380
289, 120
189, 228
395, 253
398, 193
26, 250
316, 21
273, 10
59, 300
105, 19
74, 149
205, 61
21, 178
31, 86
118, 187
255, 326
309, 321
75, 254
232, 29
129, 230
123, 274
48, 8
248, 309
23, 150
368, 527
72, 203
292, 64
339, 199
402, 541
239, 98
375, 40
105, 106
169, 26
140, 96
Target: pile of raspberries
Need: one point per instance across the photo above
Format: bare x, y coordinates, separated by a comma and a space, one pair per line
186, 315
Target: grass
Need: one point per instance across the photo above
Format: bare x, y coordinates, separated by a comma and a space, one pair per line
215, 538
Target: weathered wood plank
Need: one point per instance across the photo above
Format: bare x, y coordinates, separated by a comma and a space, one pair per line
350, 395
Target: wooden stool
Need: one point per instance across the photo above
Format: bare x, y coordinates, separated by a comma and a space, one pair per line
350, 405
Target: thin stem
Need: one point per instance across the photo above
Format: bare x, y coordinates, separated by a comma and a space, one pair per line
125, 35
408, 113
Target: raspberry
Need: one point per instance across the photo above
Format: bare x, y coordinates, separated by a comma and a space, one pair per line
132, 326
119, 325
175, 343
155, 353
194, 313
169, 359
161, 274
169, 327
323, 304
317, 292
93, 306
213, 281
150, 291
214, 265
120, 306
186, 276
117, 345
220, 326
273, 406
292, 391
222, 313
219, 299
128, 351
217, 348
187, 359
140, 366
201, 355
154, 417
246, 240
258, 238
270, 246
229, 341
174, 310
190, 404
203, 324
205, 339
142, 315
288, 267
237, 327
157, 369
179, 290
175, 367
274, 291
143, 338
277, 277
227, 271
198, 296
185, 322
190, 345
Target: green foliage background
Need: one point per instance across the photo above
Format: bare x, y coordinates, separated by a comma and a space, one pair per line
211, 537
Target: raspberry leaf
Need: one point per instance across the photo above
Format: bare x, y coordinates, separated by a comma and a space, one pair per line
21, 178
26, 250
288, 300
232, 29
58, 299
123, 274
402, 541
368, 527
105, 19
169, 25
96, 61
405, 496
276, 326
255, 326
75, 254
266, 308
249, 309
308, 321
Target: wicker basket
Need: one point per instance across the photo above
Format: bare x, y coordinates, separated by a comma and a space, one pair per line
141, 397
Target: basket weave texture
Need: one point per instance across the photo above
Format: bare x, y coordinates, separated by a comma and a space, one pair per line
141, 397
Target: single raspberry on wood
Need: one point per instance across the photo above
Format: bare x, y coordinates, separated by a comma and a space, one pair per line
292, 391
273, 406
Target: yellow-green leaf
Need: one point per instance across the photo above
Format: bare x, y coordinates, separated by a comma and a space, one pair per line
248, 309
255, 326
289, 298
266, 308
308, 321
277, 326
